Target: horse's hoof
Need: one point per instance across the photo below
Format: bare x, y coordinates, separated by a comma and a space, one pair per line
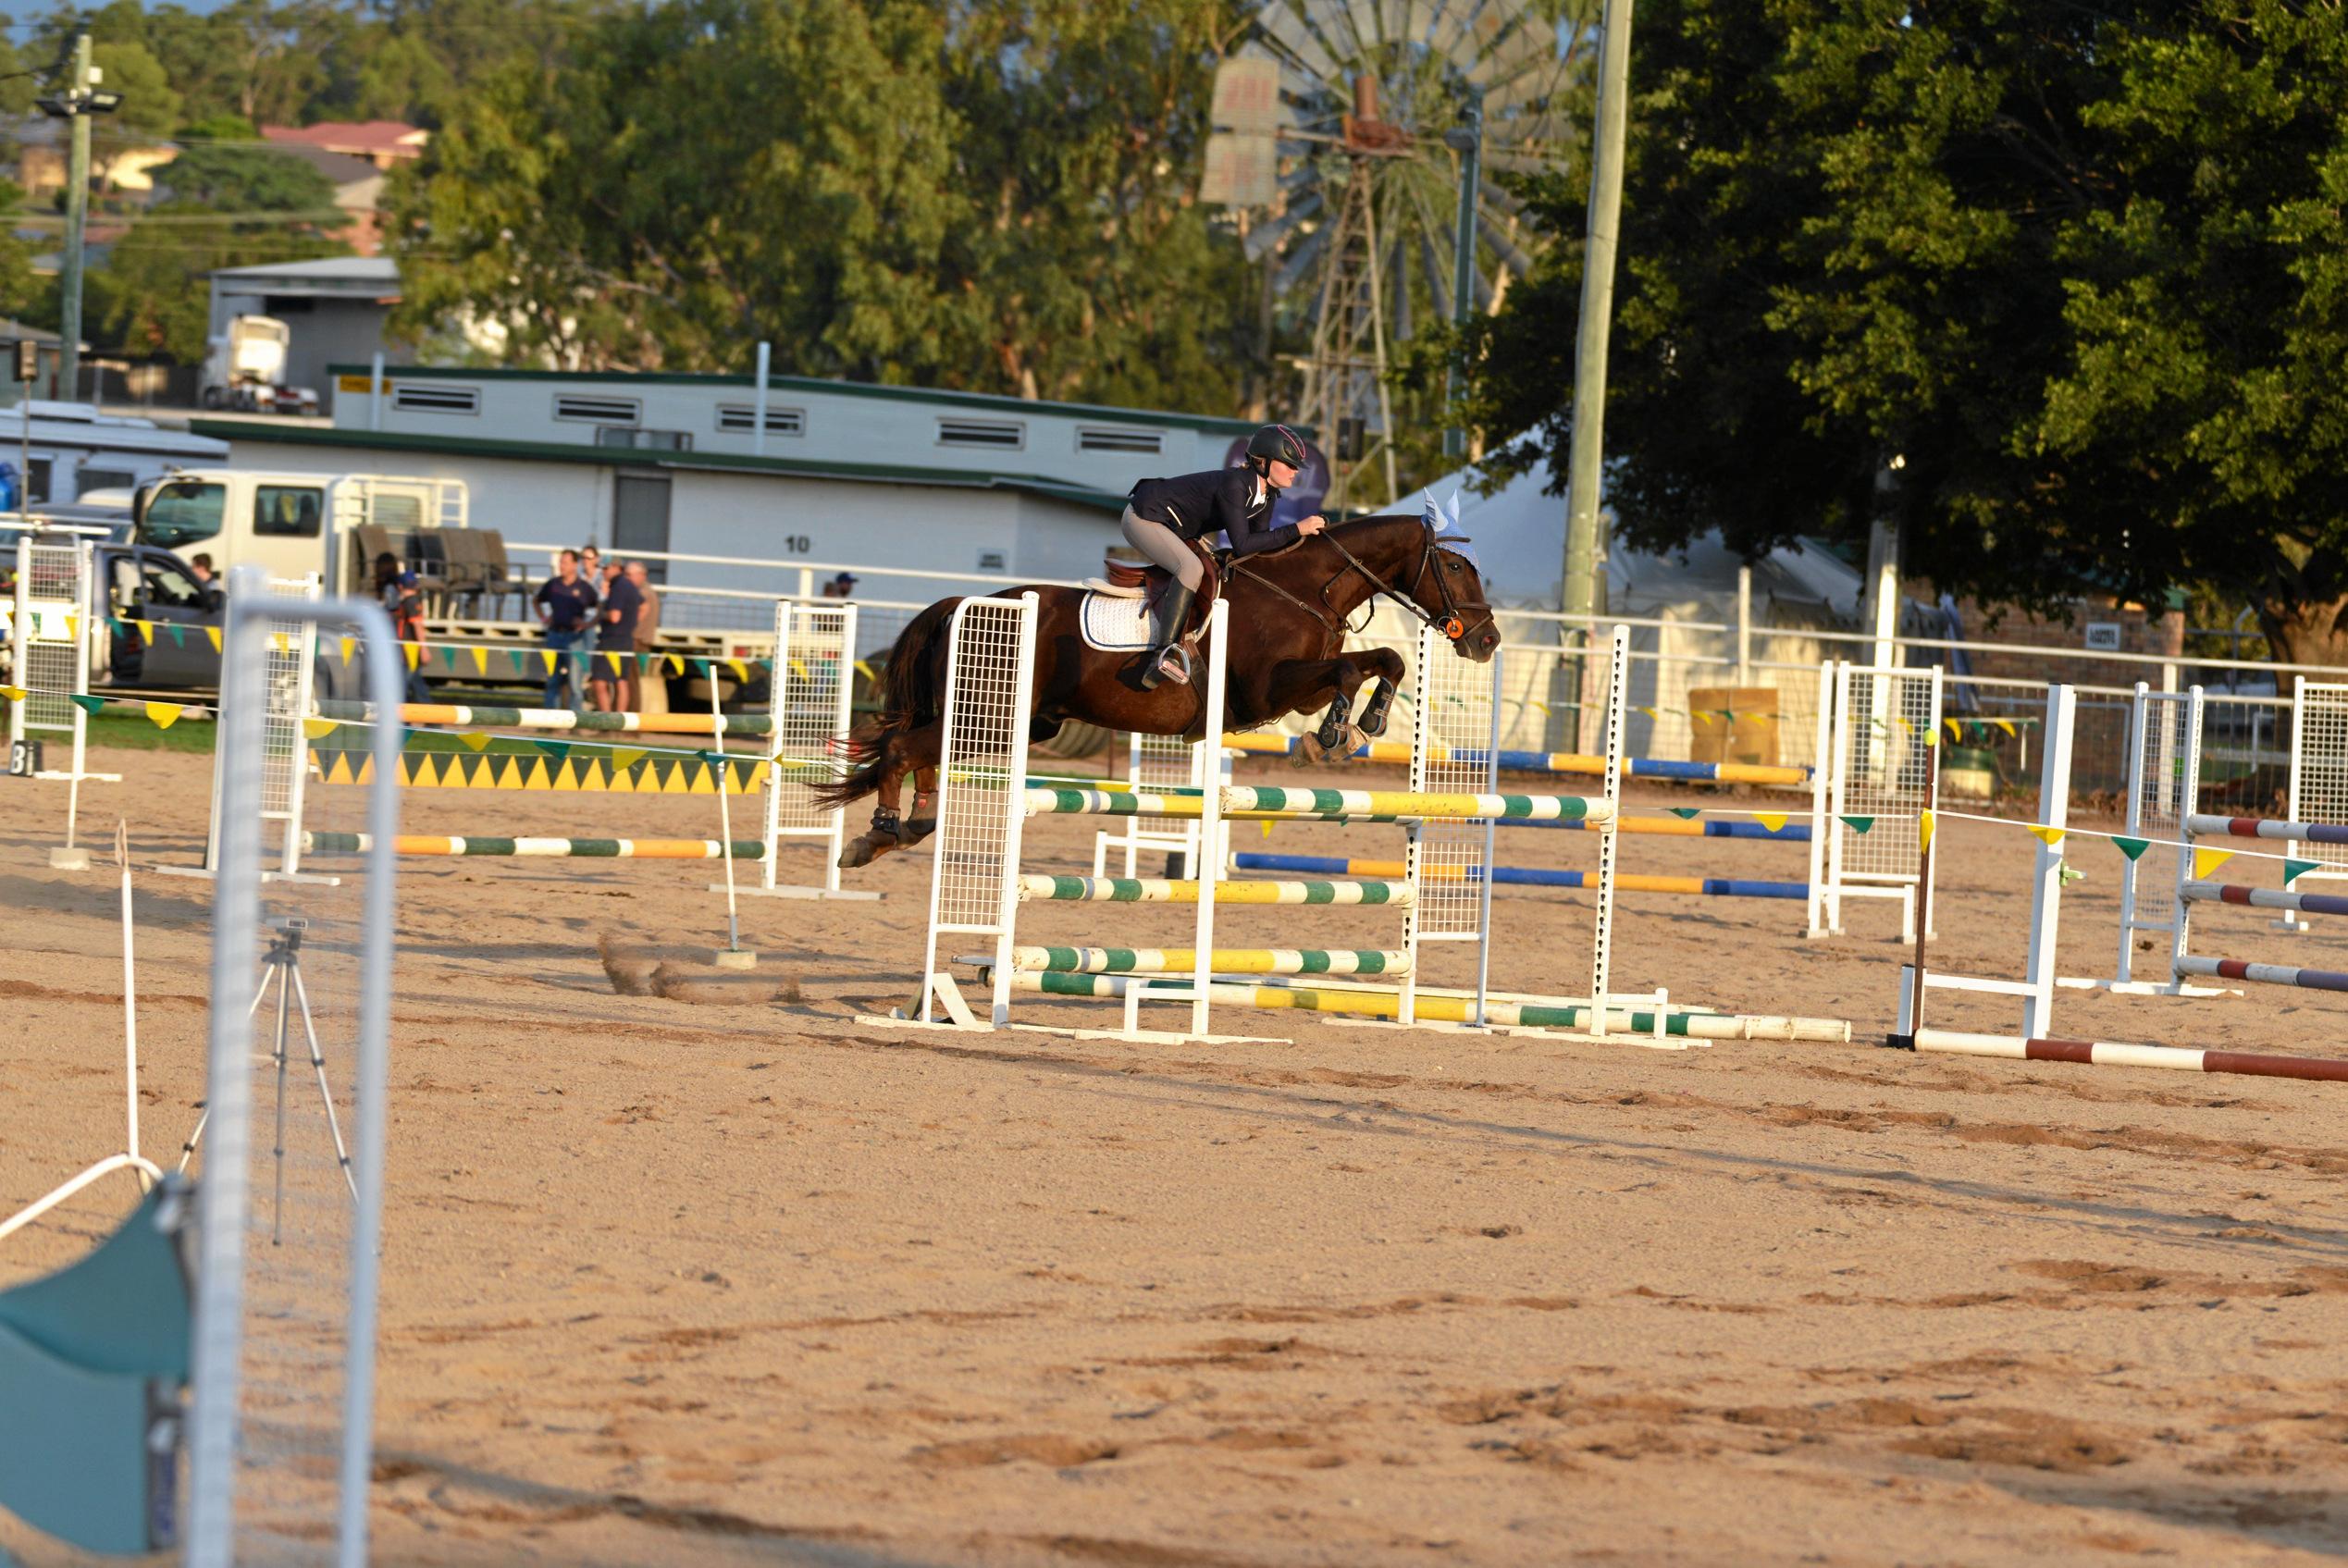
863, 850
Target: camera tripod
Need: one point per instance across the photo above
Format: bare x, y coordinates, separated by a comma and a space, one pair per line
283, 967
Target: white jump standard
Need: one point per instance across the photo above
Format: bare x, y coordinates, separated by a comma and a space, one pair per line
986, 800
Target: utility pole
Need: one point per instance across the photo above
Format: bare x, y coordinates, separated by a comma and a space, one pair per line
1467, 139
1583, 542
75, 105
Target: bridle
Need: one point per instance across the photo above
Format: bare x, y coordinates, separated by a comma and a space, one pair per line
1449, 622
1334, 621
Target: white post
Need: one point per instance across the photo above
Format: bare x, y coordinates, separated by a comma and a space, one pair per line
20, 624
725, 816
1924, 899
1423, 743
2292, 919
1744, 627
1492, 848
1822, 820
1206, 868
375, 394
2046, 889
129, 997
305, 643
1883, 595
80, 627
757, 403
1838, 791
2140, 711
2188, 802
1601, 956
1015, 821
777, 706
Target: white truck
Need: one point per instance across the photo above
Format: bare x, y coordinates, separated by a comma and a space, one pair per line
245, 369
294, 523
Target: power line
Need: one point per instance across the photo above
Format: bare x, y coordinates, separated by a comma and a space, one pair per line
272, 215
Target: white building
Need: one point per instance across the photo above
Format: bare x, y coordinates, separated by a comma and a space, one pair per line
955, 486
335, 308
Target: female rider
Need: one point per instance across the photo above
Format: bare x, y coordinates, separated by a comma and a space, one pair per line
1162, 513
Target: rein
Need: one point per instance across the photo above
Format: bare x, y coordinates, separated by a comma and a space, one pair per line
1333, 623
1450, 623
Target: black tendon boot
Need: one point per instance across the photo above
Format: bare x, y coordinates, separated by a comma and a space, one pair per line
1173, 610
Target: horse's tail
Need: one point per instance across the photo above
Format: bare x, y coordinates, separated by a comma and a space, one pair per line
912, 694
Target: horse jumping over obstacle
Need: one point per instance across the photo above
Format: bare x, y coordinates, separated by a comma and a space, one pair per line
1287, 613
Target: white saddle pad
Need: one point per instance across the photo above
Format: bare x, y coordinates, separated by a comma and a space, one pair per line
1114, 624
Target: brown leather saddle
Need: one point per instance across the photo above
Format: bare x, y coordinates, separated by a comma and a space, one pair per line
1154, 580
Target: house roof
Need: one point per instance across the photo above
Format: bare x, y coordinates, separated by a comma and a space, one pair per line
343, 170
369, 137
342, 278
646, 457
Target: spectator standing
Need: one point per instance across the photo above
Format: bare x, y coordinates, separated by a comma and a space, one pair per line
396, 590
591, 574
617, 691
566, 609
840, 586
648, 630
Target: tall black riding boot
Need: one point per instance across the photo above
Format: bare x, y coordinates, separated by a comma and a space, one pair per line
1173, 610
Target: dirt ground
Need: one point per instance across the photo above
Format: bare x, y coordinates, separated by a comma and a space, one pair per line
675, 1282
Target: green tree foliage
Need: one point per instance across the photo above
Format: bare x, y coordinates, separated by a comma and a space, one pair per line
21, 293
2081, 271
251, 179
1082, 131
694, 176
890, 190
418, 60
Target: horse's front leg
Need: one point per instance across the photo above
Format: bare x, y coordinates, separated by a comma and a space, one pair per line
1387, 665
1307, 682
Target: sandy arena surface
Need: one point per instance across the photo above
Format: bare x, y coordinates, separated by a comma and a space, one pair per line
674, 1282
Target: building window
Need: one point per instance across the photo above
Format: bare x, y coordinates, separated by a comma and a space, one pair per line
998, 434
404, 513
657, 440
597, 411
103, 479
182, 512
286, 511
435, 397
1089, 439
779, 421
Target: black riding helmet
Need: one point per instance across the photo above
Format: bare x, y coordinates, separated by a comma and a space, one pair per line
1275, 444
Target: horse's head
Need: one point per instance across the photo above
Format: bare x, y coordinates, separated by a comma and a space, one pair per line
1441, 578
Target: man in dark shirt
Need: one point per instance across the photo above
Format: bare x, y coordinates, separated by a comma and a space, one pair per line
566, 608
617, 691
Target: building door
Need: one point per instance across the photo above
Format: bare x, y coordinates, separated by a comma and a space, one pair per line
640, 519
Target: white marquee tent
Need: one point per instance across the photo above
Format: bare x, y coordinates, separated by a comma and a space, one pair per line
1518, 536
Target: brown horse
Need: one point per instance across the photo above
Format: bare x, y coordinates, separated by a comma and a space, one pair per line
1287, 612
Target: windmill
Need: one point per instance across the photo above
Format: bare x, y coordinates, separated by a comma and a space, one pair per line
1351, 137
